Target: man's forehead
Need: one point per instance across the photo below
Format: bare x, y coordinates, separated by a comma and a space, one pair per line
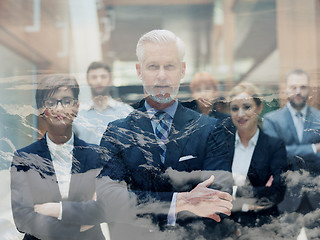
297, 80
98, 71
161, 52
153, 47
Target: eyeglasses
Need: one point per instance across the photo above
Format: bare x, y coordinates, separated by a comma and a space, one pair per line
65, 102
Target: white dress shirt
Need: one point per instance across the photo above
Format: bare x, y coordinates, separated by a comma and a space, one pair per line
61, 156
241, 162
242, 158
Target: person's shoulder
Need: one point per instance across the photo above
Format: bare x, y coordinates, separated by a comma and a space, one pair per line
23, 158
124, 122
33, 147
274, 115
272, 141
190, 104
314, 111
83, 114
201, 118
88, 151
82, 143
122, 105
219, 115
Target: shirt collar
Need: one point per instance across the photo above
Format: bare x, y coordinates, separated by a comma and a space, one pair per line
170, 110
68, 146
253, 141
293, 111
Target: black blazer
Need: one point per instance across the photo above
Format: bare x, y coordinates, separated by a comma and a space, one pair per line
33, 181
132, 156
214, 113
269, 158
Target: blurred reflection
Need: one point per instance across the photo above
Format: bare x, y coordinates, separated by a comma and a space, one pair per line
204, 90
298, 125
95, 116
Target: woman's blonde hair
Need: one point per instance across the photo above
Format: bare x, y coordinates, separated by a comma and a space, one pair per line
248, 88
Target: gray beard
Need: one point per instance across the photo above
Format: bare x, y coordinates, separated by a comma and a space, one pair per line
161, 100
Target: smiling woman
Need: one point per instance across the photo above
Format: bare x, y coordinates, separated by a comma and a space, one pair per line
245, 107
257, 161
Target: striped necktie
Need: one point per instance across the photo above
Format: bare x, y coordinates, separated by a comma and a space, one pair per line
162, 133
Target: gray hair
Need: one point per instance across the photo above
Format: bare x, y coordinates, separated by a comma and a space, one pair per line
297, 72
159, 37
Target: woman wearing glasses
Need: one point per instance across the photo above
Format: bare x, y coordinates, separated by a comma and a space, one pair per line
55, 170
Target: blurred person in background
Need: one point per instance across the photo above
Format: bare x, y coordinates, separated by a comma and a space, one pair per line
258, 161
57, 169
94, 116
204, 90
298, 125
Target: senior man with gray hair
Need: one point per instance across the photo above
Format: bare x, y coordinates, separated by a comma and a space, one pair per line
158, 161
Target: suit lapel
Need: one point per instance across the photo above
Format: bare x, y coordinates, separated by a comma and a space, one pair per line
46, 168
78, 166
258, 158
183, 125
307, 126
230, 129
143, 133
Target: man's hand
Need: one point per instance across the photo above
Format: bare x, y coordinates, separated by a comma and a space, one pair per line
49, 209
204, 201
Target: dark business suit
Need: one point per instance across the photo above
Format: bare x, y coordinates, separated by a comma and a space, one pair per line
214, 113
132, 156
33, 181
300, 194
268, 159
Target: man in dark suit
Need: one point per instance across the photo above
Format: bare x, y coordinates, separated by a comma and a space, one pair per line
298, 125
159, 159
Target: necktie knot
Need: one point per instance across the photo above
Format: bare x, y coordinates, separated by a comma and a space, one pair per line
299, 114
160, 115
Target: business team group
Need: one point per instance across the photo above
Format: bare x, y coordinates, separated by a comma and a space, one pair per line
165, 169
